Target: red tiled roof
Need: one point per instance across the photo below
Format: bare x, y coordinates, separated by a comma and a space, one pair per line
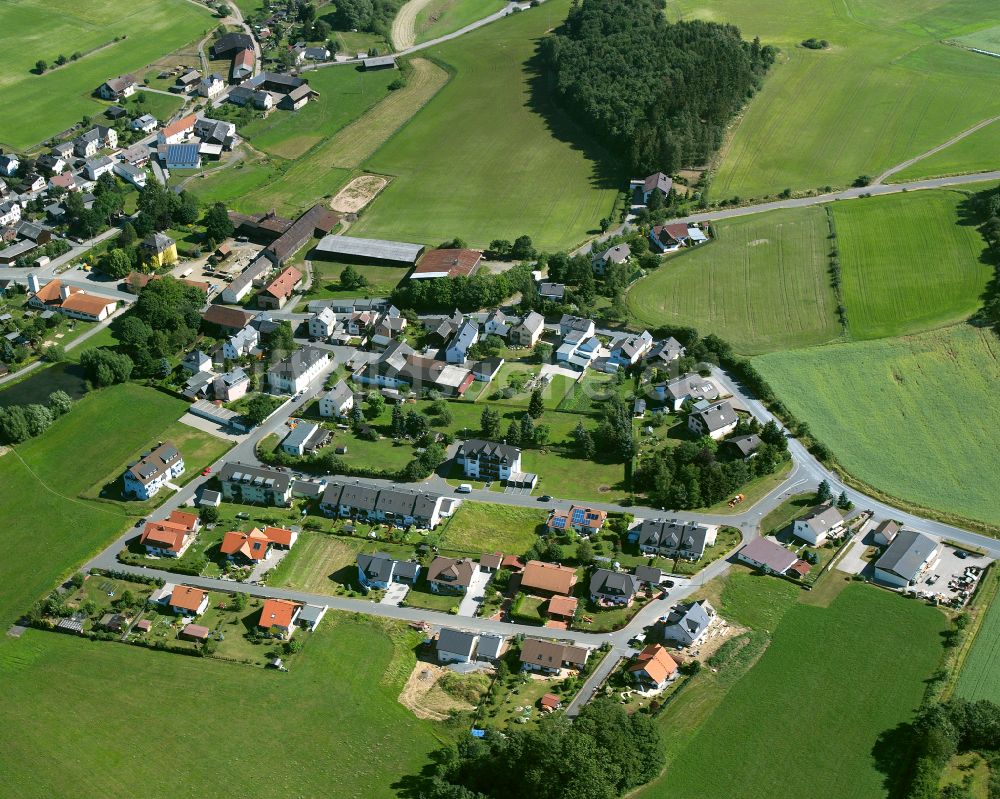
182, 124
165, 535
562, 606
453, 263
277, 613
187, 598
284, 283
86, 303
656, 662
549, 577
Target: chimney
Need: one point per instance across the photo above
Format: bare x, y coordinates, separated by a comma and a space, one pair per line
64, 291
33, 284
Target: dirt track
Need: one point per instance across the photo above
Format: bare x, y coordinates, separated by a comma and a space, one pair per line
358, 193
404, 32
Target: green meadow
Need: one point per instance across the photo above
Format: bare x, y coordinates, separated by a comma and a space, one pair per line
441, 17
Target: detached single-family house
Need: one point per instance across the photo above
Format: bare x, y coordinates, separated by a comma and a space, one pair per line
256, 545
95, 167
9, 164
762, 553
885, 533
276, 293
619, 254
145, 124
628, 350
550, 657
337, 402
10, 213
716, 421
497, 324
653, 668
744, 447
456, 646
158, 249
303, 438
278, 617
179, 131
117, 88
908, 556
665, 352
379, 570
231, 385
612, 588
554, 292
583, 520
241, 344
296, 372
457, 350
147, 476
578, 350
576, 324
491, 647
211, 86
171, 537
649, 575
322, 323
547, 579
528, 331
643, 188
132, 174
686, 624
488, 460
669, 238
188, 601
689, 387
451, 575
818, 525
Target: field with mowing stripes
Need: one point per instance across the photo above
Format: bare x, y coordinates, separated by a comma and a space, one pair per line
796, 706
34, 107
980, 678
480, 161
762, 285
987, 39
977, 152
915, 416
885, 90
441, 17
907, 263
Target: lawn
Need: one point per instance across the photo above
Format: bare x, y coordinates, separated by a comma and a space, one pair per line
915, 417
825, 117
787, 512
809, 701
333, 719
762, 285
344, 95
381, 280
479, 527
490, 156
315, 559
441, 17
35, 107
908, 264
980, 678
975, 153
49, 529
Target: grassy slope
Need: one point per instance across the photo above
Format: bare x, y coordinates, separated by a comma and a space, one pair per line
479, 527
762, 285
479, 162
50, 529
332, 720
441, 17
915, 417
884, 91
34, 107
980, 678
907, 263
810, 702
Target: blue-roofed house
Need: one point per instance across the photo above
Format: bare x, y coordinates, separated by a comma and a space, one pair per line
182, 156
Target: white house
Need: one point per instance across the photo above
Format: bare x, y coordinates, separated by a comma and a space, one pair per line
488, 460
9, 164
10, 213
337, 402
241, 344
95, 167
908, 556
211, 86
687, 624
716, 421
456, 646
528, 331
629, 349
497, 324
458, 348
295, 373
818, 525
322, 323
146, 123
133, 174
146, 477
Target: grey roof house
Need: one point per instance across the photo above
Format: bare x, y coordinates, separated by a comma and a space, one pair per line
687, 623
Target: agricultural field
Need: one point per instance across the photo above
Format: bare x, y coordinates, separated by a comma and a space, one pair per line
979, 678
48, 536
814, 716
908, 263
977, 152
822, 116
441, 17
339, 696
762, 285
35, 107
478, 527
476, 161
987, 39
898, 413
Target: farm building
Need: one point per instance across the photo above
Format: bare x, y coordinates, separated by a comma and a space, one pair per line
350, 248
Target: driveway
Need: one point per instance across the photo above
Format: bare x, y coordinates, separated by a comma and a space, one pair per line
394, 594
474, 597
852, 562
273, 558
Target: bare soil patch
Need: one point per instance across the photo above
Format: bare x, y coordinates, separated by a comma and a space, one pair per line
424, 698
358, 193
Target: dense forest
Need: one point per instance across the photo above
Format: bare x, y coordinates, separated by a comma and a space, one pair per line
374, 16
658, 94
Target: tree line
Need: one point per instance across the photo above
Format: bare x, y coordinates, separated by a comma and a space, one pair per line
984, 208
20, 422
658, 94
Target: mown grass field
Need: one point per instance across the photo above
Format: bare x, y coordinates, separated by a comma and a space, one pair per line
914, 416
441, 17
987, 39
34, 107
333, 719
977, 152
804, 720
885, 90
980, 678
762, 284
479, 527
49, 528
907, 263
480, 161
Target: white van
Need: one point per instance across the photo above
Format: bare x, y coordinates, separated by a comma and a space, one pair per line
464, 488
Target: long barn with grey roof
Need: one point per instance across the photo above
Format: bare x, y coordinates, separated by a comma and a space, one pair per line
909, 554
373, 250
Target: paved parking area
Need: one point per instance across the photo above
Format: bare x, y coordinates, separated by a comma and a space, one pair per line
852, 562
395, 593
474, 597
949, 566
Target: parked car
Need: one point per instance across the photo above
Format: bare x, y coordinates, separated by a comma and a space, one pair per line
464, 488
545, 498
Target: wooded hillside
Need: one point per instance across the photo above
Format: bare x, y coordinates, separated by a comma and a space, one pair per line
659, 94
